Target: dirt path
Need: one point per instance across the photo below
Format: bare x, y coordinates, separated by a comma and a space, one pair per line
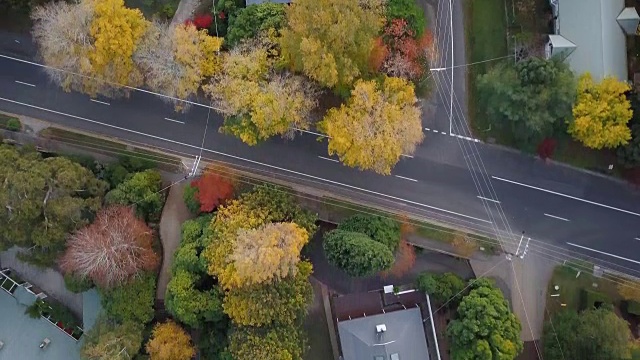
174, 214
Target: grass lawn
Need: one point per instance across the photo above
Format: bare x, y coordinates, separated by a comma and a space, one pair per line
108, 147
571, 289
573, 153
486, 36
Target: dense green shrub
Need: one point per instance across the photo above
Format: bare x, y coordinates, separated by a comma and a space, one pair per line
190, 196
410, 11
383, 230
131, 302
356, 253
14, 124
77, 284
142, 190
441, 287
252, 20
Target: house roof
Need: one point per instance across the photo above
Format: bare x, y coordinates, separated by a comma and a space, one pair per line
600, 41
404, 336
91, 308
255, 2
22, 335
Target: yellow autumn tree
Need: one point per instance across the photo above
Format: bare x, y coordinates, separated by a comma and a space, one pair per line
269, 252
379, 123
169, 341
92, 42
629, 290
258, 102
330, 40
601, 113
176, 59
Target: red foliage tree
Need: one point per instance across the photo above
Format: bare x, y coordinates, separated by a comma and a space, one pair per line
202, 21
546, 148
405, 51
213, 189
113, 249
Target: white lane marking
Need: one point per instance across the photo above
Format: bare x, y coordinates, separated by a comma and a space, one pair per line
443, 133
556, 217
406, 178
408, 156
24, 83
326, 158
434, 130
602, 252
181, 122
100, 102
249, 161
427, 129
567, 196
637, 239
16, 41
484, 198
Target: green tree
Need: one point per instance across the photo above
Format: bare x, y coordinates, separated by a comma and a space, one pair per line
485, 327
142, 190
410, 11
254, 19
441, 287
271, 343
108, 340
381, 229
310, 46
288, 299
43, 201
356, 253
531, 100
189, 304
190, 197
575, 336
131, 302
601, 113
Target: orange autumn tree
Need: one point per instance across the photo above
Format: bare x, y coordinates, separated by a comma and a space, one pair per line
112, 250
213, 188
405, 52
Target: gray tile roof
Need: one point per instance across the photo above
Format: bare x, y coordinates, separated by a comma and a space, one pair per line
22, 335
404, 336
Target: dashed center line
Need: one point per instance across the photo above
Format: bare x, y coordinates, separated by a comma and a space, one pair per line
406, 178
556, 217
326, 158
484, 198
100, 102
435, 131
409, 156
181, 122
637, 239
24, 83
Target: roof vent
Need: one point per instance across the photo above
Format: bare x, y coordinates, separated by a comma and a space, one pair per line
381, 328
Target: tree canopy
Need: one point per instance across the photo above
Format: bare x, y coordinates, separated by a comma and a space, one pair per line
441, 287
579, 336
271, 343
381, 229
356, 253
601, 113
254, 19
531, 100
176, 59
108, 340
169, 341
111, 251
258, 102
379, 123
310, 46
142, 191
132, 302
43, 200
211, 189
485, 327
410, 11
95, 39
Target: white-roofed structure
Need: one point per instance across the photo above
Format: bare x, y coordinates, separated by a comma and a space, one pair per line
591, 36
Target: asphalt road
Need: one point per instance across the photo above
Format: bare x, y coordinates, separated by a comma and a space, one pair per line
471, 185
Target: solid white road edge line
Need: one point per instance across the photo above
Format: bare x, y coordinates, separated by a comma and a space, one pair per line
604, 253
567, 196
326, 158
406, 178
484, 198
100, 102
556, 217
24, 83
247, 160
637, 239
181, 122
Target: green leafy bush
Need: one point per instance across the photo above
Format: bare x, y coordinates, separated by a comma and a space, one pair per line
141, 190
14, 124
77, 284
441, 287
115, 174
356, 253
383, 230
410, 11
253, 19
190, 197
590, 298
131, 302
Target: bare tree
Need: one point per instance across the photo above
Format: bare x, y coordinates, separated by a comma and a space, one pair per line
61, 31
113, 249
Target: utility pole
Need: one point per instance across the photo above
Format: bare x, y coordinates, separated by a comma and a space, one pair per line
526, 248
194, 168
